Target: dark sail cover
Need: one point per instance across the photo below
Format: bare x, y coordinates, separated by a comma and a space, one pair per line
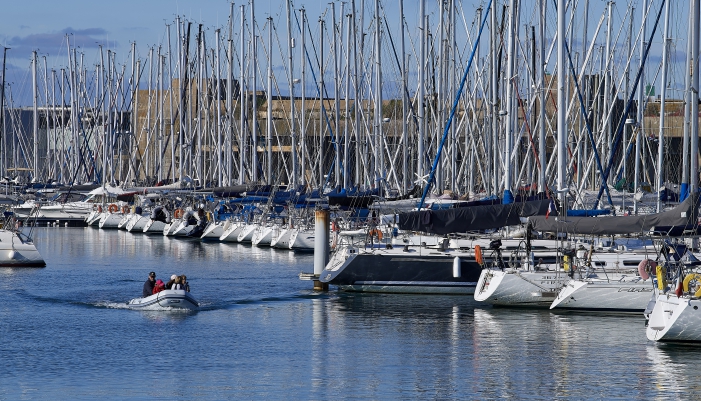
472, 218
684, 215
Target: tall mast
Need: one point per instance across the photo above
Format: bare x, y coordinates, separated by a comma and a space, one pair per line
269, 117
379, 143
694, 137
322, 90
254, 77
220, 172
242, 99
230, 99
346, 133
405, 143
303, 111
541, 95
35, 118
561, 105
510, 112
422, 93
663, 96
293, 135
337, 148
684, 188
3, 166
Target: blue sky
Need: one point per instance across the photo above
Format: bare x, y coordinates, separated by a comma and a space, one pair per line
42, 25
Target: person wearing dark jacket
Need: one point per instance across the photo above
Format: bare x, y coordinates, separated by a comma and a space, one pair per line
149, 284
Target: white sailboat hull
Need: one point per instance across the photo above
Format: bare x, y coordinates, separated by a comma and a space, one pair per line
675, 319
604, 296
519, 288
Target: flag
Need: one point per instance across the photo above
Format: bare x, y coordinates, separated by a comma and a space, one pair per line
551, 208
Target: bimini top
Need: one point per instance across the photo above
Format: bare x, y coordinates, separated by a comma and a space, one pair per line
684, 215
471, 218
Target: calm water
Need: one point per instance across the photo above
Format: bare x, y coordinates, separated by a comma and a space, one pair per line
263, 334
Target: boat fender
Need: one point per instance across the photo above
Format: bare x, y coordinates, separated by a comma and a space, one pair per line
178, 213
457, 267
661, 273
375, 233
478, 255
688, 278
113, 208
11, 254
645, 267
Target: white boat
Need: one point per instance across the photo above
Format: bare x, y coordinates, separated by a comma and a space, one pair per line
622, 293
165, 300
521, 285
18, 250
231, 231
213, 231
263, 235
675, 319
281, 239
157, 221
673, 311
246, 233
302, 239
137, 223
111, 219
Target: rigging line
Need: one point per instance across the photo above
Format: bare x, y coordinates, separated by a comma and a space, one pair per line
621, 125
452, 111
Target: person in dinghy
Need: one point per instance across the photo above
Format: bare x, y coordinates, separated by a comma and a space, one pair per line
156, 295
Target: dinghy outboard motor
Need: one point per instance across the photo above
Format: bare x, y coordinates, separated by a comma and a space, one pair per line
495, 245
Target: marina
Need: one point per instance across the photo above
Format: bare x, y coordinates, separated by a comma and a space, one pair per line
365, 199
262, 333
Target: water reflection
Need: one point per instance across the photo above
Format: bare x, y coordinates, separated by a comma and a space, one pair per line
674, 368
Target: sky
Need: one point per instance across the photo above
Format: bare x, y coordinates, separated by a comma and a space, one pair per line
45, 25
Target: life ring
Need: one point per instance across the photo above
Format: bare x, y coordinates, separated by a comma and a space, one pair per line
478, 255
645, 267
125, 209
661, 277
375, 233
688, 278
113, 208
178, 213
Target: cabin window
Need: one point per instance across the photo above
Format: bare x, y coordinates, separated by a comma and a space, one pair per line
631, 262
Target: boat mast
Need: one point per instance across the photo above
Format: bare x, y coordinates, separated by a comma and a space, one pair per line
35, 117
3, 168
513, 26
336, 98
269, 115
254, 77
422, 93
379, 145
694, 137
684, 188
230, 99
293, 135
218, 82
663, 94
346, 133
405, 143
561, 106
303, 108
242, 99
541, 94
